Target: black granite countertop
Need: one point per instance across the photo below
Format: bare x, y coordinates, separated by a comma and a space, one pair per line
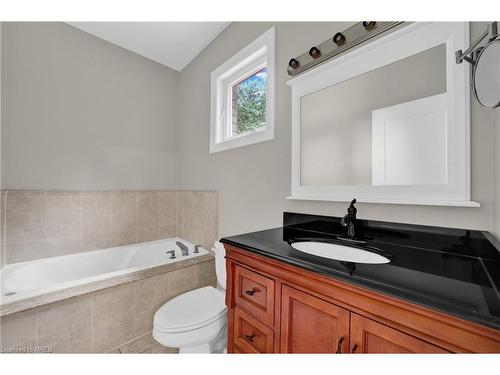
455, 271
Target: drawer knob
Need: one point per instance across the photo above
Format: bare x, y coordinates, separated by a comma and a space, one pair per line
250, 337
251, 292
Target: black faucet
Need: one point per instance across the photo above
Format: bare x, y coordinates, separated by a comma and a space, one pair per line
350, 220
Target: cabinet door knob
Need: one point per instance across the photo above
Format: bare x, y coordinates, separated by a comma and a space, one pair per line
251, 292
250, 337
354, 348
339, 346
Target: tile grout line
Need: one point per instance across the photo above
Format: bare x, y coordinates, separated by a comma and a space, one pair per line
92, 322
45, 246
36, 326
80, 220
111, 218
4, 230
136, 216
157, 194
177, 213
134, 291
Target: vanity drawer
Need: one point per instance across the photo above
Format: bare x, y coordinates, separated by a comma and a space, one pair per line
254, 293
250, 335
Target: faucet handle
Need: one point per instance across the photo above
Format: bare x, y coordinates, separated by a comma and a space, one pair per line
172, 254
196, 249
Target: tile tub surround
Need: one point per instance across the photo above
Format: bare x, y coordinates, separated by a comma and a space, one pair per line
39, 224
116, 319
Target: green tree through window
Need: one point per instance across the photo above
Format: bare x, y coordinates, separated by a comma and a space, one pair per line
249, 103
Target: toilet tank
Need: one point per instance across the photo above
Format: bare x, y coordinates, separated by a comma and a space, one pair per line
220, 264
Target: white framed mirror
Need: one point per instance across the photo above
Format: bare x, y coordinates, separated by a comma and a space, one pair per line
386, 123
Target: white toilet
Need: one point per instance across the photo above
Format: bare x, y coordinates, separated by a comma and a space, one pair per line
195, 322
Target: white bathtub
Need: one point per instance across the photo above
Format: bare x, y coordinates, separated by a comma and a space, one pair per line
21, 281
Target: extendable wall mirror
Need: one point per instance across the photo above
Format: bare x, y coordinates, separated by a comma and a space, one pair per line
485, 61
486, 75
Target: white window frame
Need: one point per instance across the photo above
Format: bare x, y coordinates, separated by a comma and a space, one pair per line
395, 46
255, 56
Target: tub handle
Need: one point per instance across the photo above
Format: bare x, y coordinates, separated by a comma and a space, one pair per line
196, 249
172, 254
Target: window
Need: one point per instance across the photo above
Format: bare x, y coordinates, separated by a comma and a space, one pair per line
242, 97
248, 98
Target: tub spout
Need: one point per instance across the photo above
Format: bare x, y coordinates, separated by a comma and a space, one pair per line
184, 248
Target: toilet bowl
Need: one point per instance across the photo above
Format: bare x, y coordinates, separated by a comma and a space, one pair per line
195, 322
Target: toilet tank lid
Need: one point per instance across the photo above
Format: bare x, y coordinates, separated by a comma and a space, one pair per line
190, 310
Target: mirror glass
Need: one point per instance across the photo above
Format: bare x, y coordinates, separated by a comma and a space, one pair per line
487, 75
385, 127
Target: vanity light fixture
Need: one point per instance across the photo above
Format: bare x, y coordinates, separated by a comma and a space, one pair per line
314, 52
368, 25
485, 64
339, 43
293, 63
339, 39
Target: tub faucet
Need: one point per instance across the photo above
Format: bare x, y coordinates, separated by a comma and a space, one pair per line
350, 220
184, 248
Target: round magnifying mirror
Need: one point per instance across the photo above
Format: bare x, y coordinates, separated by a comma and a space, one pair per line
486, 76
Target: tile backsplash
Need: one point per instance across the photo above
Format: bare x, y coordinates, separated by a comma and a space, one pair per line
39, 224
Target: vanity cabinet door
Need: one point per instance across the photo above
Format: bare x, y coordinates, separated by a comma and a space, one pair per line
368, 336
312, 325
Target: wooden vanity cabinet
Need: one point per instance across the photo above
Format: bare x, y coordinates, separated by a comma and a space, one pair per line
277, 308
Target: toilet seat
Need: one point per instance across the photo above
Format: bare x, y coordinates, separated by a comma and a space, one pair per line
190, 311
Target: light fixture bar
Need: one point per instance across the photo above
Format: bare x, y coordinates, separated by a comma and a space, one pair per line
339, 43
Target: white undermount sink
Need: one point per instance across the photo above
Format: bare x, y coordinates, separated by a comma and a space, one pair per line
339, 252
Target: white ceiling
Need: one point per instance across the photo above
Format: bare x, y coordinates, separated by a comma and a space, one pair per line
174, 44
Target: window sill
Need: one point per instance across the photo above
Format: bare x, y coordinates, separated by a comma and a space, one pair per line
243, 140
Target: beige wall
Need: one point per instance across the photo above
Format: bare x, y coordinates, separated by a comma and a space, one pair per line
40, 224
253, 181
84, 114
